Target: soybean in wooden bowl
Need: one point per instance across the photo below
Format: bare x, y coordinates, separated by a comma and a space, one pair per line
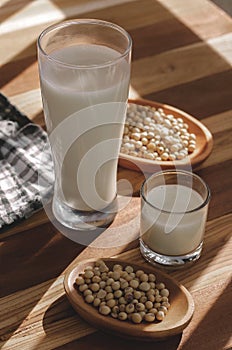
178, 317
204, 143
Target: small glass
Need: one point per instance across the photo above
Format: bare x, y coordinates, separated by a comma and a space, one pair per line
84, 68
174, 206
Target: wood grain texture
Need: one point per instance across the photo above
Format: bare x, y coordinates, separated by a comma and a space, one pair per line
45, 304
200, 97
182, 56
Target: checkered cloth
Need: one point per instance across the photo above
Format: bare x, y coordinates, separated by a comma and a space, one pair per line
26, 168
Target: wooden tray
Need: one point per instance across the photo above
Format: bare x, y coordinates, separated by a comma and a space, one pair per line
177, 318
204, 144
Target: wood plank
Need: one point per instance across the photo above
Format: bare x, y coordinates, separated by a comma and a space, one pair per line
20, 76
219, 122
30, 255
47, 307
158, 37
10, 7
221, 152
201, 98
30, 104
37, 219
222, 45
159, 66
204, 18
100, 340
129, 15
18, 14
209, 324
17, 50
43, 16
220, 126
39, 243
174, 68
219, 181
43, 311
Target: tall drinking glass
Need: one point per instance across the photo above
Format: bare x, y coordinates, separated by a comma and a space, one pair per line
84, 68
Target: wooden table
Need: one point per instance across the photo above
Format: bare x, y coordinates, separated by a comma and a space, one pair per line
182, 55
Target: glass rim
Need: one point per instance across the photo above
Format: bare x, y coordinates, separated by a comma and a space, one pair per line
84, 21
171, 171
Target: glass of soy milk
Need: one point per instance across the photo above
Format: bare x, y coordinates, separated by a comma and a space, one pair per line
84, 68
174, 206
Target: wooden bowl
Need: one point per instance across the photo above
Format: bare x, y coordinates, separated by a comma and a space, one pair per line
203, 149
177, 318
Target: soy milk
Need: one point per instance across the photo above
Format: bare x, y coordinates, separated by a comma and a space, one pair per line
92, 104
169, 224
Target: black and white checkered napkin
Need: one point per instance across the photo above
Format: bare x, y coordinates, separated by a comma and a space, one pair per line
26, 168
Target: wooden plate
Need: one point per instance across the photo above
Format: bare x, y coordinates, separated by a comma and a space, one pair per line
177, 318
204, 144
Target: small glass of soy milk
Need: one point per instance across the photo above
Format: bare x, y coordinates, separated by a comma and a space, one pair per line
174, 206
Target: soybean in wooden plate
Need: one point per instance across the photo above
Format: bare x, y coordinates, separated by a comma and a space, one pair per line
178, 317
204, 143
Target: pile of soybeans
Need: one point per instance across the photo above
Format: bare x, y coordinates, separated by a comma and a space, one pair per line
152, 134
124, 293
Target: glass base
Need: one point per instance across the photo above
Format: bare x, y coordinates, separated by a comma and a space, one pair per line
168, 260
83, 220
